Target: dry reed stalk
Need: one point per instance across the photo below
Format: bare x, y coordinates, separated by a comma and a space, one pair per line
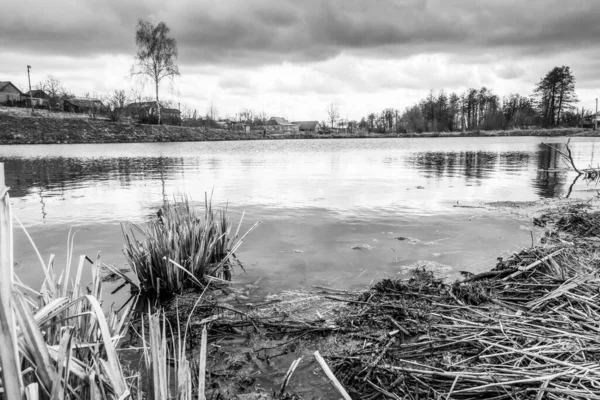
288, 375
331, 376
532, 265
9, 356
202, 366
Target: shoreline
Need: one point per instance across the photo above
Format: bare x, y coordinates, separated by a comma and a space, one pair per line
48, 130
424, 333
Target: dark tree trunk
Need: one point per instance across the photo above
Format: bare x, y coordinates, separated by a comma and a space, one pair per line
157, 103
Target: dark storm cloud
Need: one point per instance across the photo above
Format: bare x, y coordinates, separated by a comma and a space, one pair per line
257, 32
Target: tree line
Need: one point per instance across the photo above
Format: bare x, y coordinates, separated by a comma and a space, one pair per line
551, 104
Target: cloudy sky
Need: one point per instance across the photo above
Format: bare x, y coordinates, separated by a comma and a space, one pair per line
293, 57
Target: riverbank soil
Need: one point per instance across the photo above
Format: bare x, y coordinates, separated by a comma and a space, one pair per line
529, 328
48, 128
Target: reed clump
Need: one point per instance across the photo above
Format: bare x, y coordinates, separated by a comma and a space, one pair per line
180, 248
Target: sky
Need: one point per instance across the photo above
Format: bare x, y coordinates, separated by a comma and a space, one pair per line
291, 58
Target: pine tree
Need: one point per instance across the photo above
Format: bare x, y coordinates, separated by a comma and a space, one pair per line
555, 94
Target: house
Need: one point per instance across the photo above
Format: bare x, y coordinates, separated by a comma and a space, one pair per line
37, 94
278, 124
239, 126
223, 124
79, 105
9, 93
38, 97
589, 121
145, 111
308, 126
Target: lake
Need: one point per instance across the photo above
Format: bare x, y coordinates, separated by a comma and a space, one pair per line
331, 210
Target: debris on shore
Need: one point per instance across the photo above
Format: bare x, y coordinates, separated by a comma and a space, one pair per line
528, 328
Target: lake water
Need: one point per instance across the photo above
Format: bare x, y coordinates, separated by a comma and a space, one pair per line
317, 200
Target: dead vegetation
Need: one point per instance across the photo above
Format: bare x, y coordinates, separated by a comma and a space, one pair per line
528, 328
590, 174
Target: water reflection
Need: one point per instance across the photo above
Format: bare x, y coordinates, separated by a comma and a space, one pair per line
368, 175
52, 175
550, 180
470, 165
317, 200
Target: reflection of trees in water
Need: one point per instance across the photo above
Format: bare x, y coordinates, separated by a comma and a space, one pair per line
52, 175
480, 164
548, 182
468, 164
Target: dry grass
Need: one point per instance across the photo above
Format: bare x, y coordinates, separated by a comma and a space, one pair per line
528, 329
44, 113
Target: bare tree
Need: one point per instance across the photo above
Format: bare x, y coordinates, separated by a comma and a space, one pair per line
188, 114
333, 112
156, 54
136, 94
94, 105
246, 115
119, 98
212, 112
116, 103
54, 88
261, 117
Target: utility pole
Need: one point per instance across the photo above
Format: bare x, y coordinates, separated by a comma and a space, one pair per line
596, 116
31, 95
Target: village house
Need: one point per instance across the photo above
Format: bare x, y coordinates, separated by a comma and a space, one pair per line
223, 123
589, 121
145, 111
240, 127
78, 105
280, 125
308, 126
38, 97
9, 93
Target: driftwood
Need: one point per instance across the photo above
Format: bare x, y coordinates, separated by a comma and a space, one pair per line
589, 174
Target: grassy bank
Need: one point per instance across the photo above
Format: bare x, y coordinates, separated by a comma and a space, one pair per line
64, 128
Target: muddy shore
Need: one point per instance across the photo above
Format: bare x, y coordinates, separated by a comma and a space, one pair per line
527, 328
41, 129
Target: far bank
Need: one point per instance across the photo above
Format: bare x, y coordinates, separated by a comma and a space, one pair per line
45, 130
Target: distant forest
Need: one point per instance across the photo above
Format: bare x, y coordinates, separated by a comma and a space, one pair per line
551, 104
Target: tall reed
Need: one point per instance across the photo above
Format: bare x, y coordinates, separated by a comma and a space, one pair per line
58, 343
180, 248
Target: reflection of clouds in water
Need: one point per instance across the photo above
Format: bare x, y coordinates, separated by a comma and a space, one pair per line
115, 182
298, 271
